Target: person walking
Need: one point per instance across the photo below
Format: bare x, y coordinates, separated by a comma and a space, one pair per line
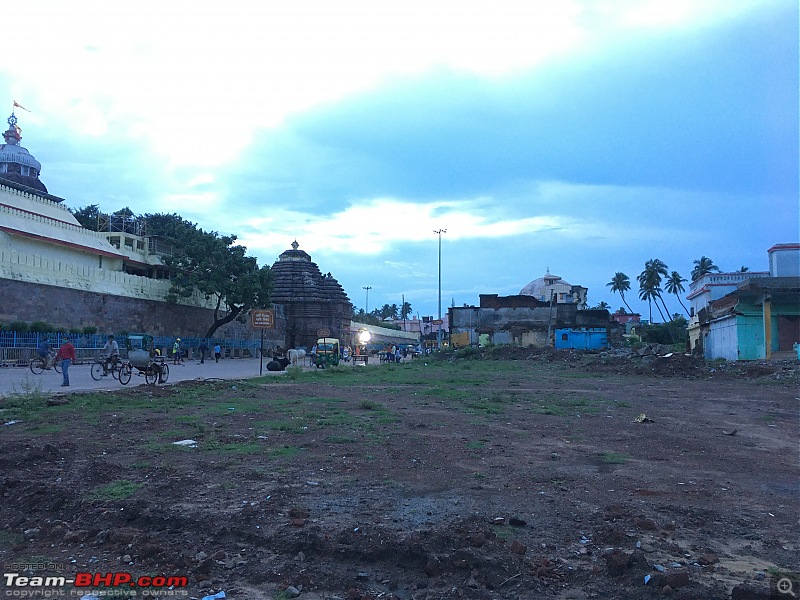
217, 352
67, 354
203, 350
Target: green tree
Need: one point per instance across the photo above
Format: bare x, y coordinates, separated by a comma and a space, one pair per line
744, 269
213, 265
620, 283
703, 266
405, 311
674, 285
650, 284
88, 216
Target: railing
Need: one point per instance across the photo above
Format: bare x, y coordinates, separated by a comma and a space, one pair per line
17, 349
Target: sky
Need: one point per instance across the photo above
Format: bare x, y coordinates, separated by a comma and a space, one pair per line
580, 136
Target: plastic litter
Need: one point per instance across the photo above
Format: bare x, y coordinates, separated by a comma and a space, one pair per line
11, 423
643, 418
216, 596
646, 580
659, 568
185, 443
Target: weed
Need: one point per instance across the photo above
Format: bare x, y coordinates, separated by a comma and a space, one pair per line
504, 532
340, 439
283, 452
613, 458
370, 405
116, 490
476, 445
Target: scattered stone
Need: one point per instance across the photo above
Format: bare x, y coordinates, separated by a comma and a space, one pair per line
57, 401
659, 568
498, 521
478, 540
362, 575
518, 548
299, 513
74, 537
645, 523
677, 579
746, 592
517, 522
200, 556
31, 533
127, 558
666, 590
298, 522
471, 583
292, 591
617, 561
708, 559
433, 567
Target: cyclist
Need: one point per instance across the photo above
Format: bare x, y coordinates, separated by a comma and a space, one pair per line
110, 354
45, 351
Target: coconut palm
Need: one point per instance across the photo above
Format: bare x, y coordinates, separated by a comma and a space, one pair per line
674, 285
620, 283
703, 266
654, 271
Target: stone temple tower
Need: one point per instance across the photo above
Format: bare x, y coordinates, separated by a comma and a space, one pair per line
311, 301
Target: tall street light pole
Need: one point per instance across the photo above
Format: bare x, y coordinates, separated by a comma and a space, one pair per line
439, 232
366, 308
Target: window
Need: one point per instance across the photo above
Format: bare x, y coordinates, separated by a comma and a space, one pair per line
564, 337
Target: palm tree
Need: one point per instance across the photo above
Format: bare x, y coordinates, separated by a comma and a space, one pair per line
674, 285
405, 311
703, 266
654, 271
620, 283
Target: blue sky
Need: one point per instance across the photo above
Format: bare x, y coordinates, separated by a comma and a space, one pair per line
581, 136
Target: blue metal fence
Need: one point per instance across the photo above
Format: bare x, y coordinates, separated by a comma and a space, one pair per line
17, 348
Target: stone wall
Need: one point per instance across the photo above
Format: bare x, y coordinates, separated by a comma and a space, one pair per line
68, 308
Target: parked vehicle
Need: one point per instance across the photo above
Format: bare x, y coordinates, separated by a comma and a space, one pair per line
327, 352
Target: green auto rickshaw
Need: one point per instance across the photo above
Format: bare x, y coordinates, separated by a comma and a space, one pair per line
327, 352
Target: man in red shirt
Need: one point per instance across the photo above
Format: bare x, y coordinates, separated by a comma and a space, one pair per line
67, 354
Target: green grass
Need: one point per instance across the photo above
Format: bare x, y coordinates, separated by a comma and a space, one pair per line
476, 445
614, 458
283, 452
116, 490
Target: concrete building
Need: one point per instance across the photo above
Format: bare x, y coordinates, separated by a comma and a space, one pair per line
552, 287
524, 321
748, 316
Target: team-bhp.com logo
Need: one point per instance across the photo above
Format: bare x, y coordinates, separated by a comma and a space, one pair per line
85, 580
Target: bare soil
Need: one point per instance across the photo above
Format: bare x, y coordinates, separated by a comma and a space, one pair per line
525, 475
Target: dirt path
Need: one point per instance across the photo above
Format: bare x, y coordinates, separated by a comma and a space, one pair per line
466, 479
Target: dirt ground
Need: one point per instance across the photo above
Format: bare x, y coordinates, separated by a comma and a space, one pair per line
526, 474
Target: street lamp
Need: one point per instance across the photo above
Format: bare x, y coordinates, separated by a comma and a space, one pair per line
439, 232
368, 288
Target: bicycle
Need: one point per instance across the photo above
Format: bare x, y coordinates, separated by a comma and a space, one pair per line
105, 366
38, 364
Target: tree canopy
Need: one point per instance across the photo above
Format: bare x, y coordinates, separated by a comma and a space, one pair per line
212, 264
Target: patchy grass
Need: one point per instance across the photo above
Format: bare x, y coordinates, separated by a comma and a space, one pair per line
116, 490
614, 458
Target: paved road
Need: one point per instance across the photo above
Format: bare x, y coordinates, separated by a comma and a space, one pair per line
18, 378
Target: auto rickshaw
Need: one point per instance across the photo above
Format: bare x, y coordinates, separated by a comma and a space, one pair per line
327, 352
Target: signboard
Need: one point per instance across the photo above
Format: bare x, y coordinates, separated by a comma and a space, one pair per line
437, 322
262, 318
321, 333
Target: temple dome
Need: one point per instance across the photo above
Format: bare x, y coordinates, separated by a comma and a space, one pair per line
16, 163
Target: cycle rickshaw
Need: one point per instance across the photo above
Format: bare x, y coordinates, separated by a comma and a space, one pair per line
143, 357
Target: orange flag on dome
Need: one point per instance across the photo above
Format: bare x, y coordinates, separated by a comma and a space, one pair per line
17, 105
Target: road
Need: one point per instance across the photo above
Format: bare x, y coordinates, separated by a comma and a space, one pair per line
20, 379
